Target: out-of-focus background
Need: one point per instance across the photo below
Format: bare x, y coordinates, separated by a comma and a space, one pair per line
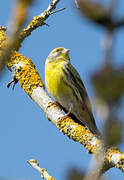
25, 132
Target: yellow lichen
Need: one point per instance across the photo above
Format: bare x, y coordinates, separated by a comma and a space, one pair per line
51, 178
43, 171
119, 157
26, 73
78, 133
111, 151
36, 22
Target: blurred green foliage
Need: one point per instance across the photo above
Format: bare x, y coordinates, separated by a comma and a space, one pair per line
108, 83
113, 131
95, 12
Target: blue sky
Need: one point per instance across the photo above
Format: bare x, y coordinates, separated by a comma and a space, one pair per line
25, 132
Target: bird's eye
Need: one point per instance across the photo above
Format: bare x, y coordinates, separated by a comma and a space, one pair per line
58, 50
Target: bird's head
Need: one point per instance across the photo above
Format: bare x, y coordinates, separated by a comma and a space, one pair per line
59, 52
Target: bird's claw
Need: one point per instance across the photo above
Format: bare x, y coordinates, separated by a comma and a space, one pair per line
55, 103
14, 81
65, 116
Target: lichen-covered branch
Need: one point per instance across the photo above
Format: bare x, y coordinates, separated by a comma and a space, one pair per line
44, 173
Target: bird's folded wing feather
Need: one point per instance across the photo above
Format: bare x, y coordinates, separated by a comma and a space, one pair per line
78, 86
76, 83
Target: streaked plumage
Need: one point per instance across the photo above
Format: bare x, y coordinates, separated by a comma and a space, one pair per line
66, 87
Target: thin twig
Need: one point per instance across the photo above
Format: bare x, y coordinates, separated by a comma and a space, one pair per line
44, 172
58, 10
52, 5
77, 5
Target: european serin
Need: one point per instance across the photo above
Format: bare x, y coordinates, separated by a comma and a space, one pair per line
66, 87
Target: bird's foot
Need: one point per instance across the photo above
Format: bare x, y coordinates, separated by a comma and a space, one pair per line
14, 78
14, 81
55, 103
65, 116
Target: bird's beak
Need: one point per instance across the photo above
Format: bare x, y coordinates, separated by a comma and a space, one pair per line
66, 51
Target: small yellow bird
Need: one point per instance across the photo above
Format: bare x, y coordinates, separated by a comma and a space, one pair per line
66, 87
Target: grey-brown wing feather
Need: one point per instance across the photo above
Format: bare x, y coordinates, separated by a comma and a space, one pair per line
80, 90
76, 81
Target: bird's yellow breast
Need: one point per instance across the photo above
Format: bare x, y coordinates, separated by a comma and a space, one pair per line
54, 76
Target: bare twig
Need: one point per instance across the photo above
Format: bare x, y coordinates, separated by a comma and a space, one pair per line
77, 5
52, 5
58, 10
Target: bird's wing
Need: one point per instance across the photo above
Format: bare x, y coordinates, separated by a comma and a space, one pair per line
78, 86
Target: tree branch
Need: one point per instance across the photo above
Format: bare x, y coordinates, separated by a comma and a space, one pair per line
44, 173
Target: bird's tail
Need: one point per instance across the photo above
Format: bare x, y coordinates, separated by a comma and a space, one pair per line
93, 128
96, 131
